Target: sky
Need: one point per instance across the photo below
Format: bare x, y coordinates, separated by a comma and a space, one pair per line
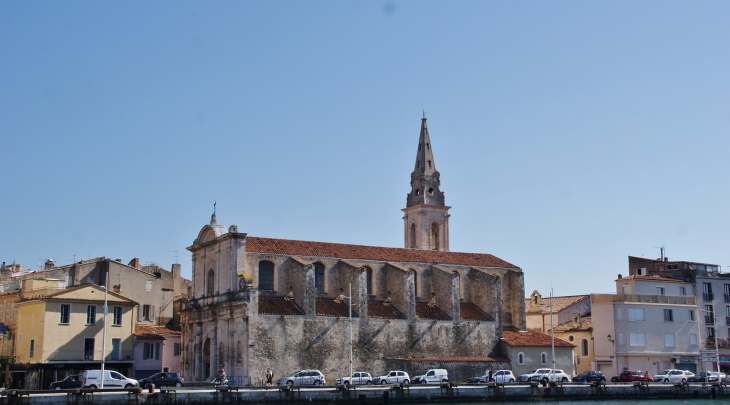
569, 135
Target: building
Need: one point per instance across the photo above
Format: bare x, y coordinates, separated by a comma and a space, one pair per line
710, 286
59, 332
8, 332
531, 349
650, 324
153, 287
156, 349
259, 303
579, 332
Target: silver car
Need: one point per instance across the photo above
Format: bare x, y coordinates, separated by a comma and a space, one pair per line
394, 377
358, 378
304, 377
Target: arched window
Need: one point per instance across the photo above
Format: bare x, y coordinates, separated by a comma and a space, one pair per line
434, 236
319, 277
221, 354
415, 282
570, 338
520, 358
211, 282
239, 352
413, 236
543, 358
266, 275
369, 279
584, 347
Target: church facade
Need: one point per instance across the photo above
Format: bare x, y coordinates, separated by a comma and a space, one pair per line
259, 303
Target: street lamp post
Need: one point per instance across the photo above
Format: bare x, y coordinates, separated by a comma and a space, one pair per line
103, 331
349, 305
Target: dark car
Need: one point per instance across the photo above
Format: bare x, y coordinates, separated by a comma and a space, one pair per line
635, 375
72, 381
590, 376
163, 380
705, 376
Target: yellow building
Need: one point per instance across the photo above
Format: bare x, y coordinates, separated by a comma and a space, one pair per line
579, 332
59, 331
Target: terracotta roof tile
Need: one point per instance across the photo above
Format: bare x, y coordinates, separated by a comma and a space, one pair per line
155, 332
559, 303
382, 310
652, 278
330, 307
430, 312
585, 325
278, 306
361, 252
471, 312
531, 338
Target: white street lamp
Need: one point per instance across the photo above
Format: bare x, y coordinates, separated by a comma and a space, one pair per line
349, 304
103, 331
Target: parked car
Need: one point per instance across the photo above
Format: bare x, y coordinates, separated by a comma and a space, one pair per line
673, 376
357, 378
503, 376
634, 375
393, 377
555, 375
163, 380
614, 378
72, 381
532, 375
432, 376
705, 376
112, 379
304, 377
590, 376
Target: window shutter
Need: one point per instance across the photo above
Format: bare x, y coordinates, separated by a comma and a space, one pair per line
157, 351
152, 312
139, 314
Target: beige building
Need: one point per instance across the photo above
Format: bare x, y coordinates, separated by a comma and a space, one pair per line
579, 332
59, 332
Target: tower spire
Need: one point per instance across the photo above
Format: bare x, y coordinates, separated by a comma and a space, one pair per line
426, 215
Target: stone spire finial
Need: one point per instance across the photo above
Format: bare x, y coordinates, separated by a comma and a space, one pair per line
425, 180
212, 217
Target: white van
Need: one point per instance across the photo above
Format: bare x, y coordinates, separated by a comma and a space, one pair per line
432, 376
112, 379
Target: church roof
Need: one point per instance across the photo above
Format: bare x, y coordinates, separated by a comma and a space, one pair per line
585, 324
470, 312
430, 312
376, 253
278, 306
559, 303
383, 310
531, 338
334, 308
155, 332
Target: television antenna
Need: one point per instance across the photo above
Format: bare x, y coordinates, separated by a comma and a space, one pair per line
176, 256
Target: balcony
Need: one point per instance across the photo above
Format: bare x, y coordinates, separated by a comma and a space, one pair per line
645, 298
727, 297
710, 343
710, 319
708, 296
89, 355
723, 343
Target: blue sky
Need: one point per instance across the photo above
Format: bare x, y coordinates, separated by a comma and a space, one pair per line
569, 135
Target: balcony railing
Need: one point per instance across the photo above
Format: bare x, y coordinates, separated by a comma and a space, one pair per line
651, 299
723, 343
86, 355
710, 319
708, 296
710, 343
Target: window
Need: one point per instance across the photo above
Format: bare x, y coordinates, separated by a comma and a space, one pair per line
211, 282
636, 314
570, 338
709, 314
619, 314
148, 285
693, 339
91, 314
543, 358
319, 277
710, 333
117, 321
415, 282
65, 314
151, 351
413, 236
369, 280
177, 348
116, 349
620, 338
682, 290
626, 289
660, 290
435, 242
668, 315
707, 292
32, 348
669, 339
584, 347
89, 349
520, 358
691, 315
266, 275
637, 339
147, 313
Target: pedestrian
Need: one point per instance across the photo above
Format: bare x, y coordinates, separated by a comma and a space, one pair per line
269, 377
489, 370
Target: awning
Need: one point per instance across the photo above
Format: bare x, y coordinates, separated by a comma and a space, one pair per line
3, 328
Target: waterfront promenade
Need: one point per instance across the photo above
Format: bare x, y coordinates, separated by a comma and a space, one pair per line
385, 394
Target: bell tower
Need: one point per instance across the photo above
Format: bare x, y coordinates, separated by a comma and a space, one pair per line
426, 218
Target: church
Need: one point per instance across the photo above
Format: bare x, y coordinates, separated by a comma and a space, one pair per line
258, 303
